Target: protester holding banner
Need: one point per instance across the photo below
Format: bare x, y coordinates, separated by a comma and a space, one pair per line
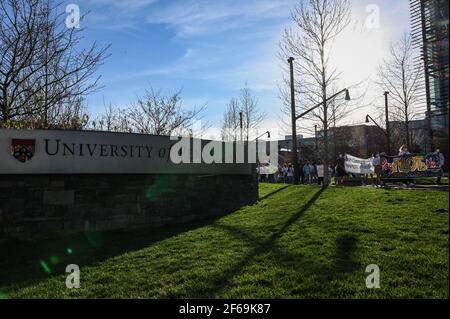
403, 151
320, 174
340, 169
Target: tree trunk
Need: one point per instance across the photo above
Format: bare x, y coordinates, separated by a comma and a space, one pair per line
408, 138
325, 108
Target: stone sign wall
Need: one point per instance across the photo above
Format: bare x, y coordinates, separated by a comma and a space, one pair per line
39, 205
91, 152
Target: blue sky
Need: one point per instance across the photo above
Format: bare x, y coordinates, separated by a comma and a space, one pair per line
210, 49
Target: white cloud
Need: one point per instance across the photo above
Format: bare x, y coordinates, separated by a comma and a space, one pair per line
127, 5
195, 18
114, 15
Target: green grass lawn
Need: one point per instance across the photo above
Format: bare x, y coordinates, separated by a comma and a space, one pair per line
297, 242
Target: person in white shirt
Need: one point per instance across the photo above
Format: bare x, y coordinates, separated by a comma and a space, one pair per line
376, 162
290, 174
320, 173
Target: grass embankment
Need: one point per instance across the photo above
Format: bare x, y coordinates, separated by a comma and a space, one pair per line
298, 242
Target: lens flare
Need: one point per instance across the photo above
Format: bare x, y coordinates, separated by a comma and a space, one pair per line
54, 260
155, 191
93, 236
45, 266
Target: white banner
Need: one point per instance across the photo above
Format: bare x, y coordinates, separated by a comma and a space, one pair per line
267, 170
90, 152
320, 172
355, 165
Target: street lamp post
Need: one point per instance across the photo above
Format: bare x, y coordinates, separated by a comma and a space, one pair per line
294, 123
240, 124
347, 98
368, 119
296, 117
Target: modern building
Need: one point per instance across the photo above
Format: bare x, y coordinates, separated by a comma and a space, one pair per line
306, 149
357, 140
429, 21
418, 133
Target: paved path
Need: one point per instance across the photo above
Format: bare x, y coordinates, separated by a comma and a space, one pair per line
422, 187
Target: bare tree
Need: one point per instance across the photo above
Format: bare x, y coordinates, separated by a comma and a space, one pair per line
231, 121
70, 114
310, 42
401, 78
252, 115
42, 65
113, 119
153, 113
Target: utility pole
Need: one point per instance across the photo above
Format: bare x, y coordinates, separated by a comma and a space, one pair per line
388, 136
240, 123
294, 123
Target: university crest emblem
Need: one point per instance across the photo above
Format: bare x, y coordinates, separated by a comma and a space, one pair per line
23, 150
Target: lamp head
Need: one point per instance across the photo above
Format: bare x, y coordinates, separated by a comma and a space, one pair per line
268, 134
367, 118
347, 95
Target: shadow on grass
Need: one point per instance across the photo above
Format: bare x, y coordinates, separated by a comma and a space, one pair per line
344, 261
274, 192
222, 280
20, 263
345, 248
27, 262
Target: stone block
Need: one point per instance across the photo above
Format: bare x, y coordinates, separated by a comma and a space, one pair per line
59, 198
34, 206
57, 184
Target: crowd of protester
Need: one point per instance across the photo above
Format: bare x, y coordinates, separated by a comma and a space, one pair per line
312, 172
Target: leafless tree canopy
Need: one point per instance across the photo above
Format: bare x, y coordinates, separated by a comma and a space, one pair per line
157, 114
231, 121
316, 23
401, 78
113, 119
153, 113
252, 116
44, 73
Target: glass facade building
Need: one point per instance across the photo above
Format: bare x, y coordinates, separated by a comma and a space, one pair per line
429, 21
